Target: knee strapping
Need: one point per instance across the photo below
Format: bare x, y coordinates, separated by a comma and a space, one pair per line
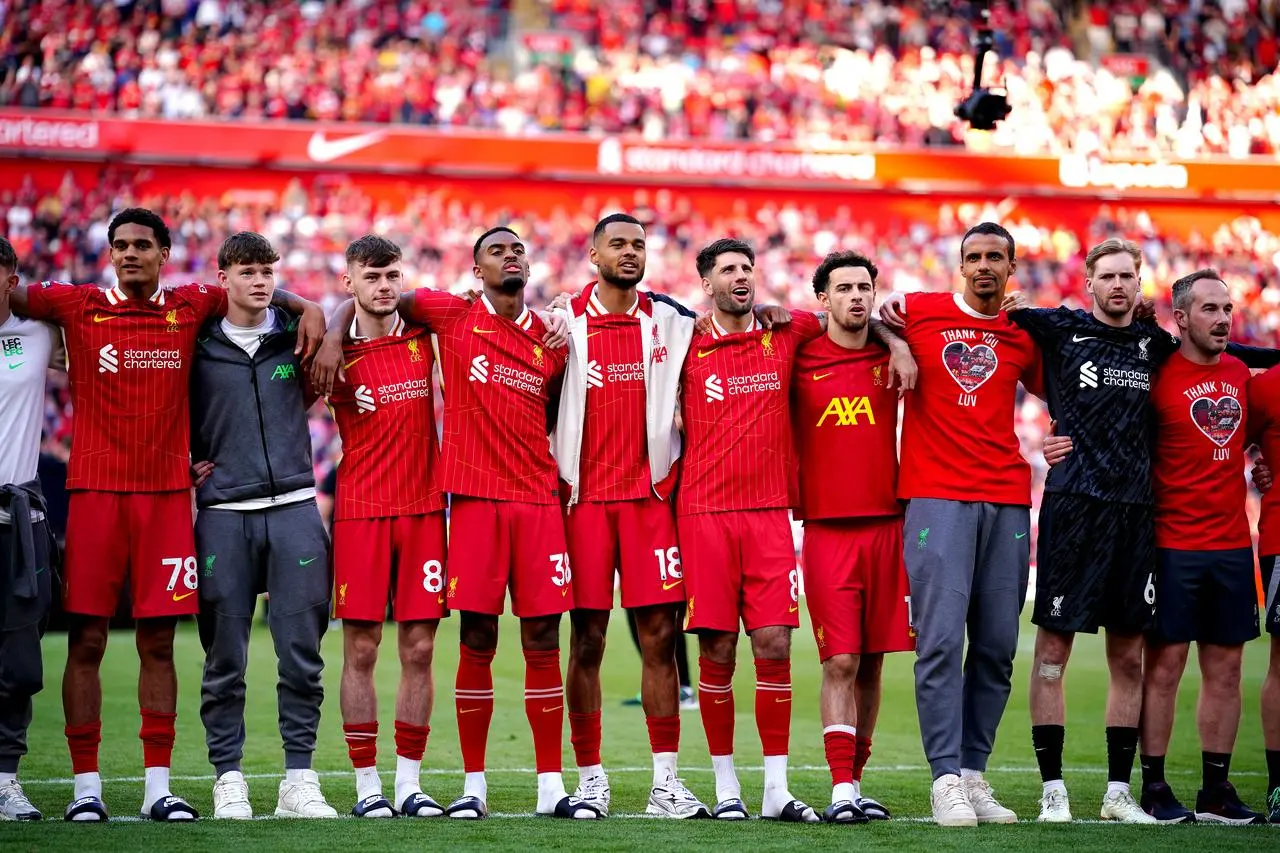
1050, 671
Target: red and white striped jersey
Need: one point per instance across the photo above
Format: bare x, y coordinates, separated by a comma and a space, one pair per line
129, 364
386, 418
499, 383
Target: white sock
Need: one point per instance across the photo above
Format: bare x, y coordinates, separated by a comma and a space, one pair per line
1055, 785
367, 782
408, 778
474, 785
550, 791
6, 778
775, 772
1117, 788
857, 788
664, 767
590, 771
727, 787
970, 774
842, 792
88, 785
157, 786
295, 775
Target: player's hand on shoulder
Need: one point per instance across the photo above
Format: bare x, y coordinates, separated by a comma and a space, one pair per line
703, 325
772, 315
893, 311
1261, 474
561, 302
1145, 309
557, 329
326, 366
311, 328
903, 371
200, 471
1015, 301
1056, 447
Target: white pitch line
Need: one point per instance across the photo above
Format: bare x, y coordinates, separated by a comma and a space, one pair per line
802, 768
613, 816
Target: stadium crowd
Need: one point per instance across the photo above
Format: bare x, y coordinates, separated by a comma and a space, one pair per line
848, 70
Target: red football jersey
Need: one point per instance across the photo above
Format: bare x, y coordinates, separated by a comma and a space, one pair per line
386, 419
615, 450
958, 437
1264, 430
1199, 456
499, 383
129, 362
845, 421
737, 421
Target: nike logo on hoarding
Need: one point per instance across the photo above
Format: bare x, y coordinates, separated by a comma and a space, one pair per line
703, 353
818, 377
1077, 339
347, 366
102, 318
480, 331
667, 587
323, 150
185, 595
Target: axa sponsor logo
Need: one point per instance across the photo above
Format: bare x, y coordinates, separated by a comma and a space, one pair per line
845, 411
364, 400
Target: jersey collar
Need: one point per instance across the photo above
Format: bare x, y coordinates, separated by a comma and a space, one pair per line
115, 296
977, 315
524, 321
718, 331
397, 329
595, 308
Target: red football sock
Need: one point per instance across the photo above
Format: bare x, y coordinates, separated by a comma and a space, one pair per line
157, 738
411, 740
82, 742
544, 706
773, 705
362, 743
473, 701
584, 734
862, 751
715, 700
839, 747
664, 733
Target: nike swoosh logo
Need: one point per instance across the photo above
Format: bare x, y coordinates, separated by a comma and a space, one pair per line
705, 353
1077, 339
818, 377
324, 150
102, 318
667, 587
347, 366
439, 599
591, 335
793, 608
1019, 536
467, 710
306, 562
722, 701
16, 366
41, 570
780, 700
552, 709
182, 597
480, 331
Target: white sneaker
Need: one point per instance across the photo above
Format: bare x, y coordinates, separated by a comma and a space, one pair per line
303, 799
1054, 807
950, 805
231, 797
984, 804
595, 791
1120, 805
14, 804
672, 799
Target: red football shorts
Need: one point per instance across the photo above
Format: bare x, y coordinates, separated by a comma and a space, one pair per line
739, 566
635, 538
400, 560
855, 585
508, 544
146, 537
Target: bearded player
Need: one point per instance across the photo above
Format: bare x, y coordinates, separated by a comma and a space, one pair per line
855, 581
616, 444
130, 350
732, 517
389, 526
500, 377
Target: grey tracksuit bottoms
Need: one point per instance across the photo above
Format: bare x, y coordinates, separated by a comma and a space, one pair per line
968, 565
283, 551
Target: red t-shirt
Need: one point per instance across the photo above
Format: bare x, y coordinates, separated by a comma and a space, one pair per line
846, 429
614, 465
499, 383
958, 437
1199, 456
386, 418
1264, 430
129, 363
736, 406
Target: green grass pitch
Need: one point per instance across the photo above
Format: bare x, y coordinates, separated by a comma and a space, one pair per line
896, 775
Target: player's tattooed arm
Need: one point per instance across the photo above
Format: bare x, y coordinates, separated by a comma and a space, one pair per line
310, 321
902, 365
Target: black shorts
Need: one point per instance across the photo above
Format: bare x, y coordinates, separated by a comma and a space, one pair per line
1095, 565
1206, 597
1271, 587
